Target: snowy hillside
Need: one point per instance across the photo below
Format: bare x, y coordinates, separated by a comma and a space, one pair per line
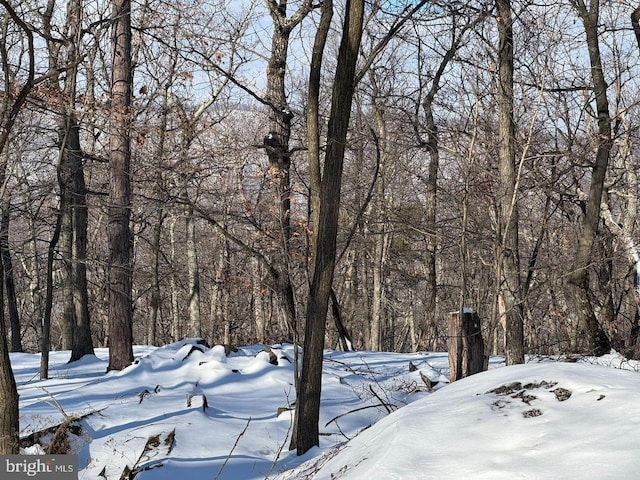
186, 411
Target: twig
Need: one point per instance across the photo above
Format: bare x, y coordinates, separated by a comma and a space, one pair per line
382, 404
348, 367
55, 404
386, 405
226, 460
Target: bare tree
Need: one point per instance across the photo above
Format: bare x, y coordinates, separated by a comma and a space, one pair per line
429, 139
13, 99
598, 341
508, 258
9, 282
276, 144
73, 195
119, 229
325, 234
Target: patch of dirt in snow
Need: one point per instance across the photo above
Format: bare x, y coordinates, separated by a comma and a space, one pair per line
517, 394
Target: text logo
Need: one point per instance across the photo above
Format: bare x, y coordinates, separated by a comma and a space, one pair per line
39, 467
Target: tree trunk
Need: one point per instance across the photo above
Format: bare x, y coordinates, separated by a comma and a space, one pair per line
276, 145
363, 293
510, 288
598, 342
9, 419
620, 231
380, 236
176, 327
119, 230
65, 245
343, 335
431, 145
10, 107
82, 342
431, 208
466, 346
154, 317
159, 155
325, 234
632, 300
635, 23
258, 301
195, 322
411, 321
76, 334
315, 173
45, 338
33, 267
9, 284
219, 294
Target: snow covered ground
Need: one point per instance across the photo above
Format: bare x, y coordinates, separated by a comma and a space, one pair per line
184, 411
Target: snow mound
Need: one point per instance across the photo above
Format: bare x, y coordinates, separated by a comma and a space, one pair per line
548, 420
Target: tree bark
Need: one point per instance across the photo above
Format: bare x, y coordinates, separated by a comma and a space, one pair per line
9, 419
176, 327
578, 279
276, 145
193, 272
9, 283
325, 234
45, 338
76, 335
510, 285
219, 295
635, 23
380, 237
315, 172
82, 341
119, 230
11, 106
466, 346
343, 335
154, 317
258, 302
65, 245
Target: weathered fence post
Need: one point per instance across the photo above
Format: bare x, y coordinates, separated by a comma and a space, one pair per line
466, 347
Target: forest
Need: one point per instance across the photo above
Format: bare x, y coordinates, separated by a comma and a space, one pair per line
341, 174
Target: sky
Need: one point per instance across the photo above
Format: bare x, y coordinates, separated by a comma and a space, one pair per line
187, 411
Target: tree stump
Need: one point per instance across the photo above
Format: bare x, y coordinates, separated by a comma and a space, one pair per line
466, 346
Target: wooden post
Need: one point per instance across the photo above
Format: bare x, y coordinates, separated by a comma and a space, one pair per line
466, 346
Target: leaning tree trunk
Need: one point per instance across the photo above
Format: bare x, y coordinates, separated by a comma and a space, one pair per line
119, 230
598, 342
